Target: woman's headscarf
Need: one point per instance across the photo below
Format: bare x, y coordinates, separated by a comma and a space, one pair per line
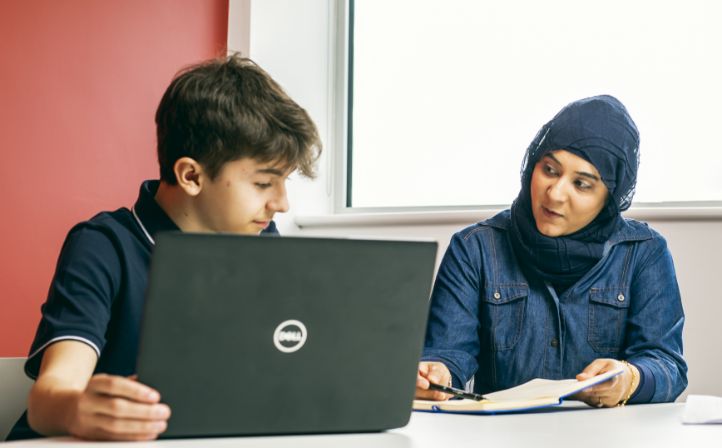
599, 130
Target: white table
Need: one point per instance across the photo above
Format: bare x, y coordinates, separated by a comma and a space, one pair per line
574, 425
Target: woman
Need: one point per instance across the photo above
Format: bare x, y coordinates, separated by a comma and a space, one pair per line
561, 285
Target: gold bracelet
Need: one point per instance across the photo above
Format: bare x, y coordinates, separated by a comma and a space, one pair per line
631, 385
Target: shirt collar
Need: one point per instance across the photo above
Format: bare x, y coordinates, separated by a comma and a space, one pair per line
148, 214
152, 219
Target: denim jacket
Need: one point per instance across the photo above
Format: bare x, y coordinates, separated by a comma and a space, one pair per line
489, 322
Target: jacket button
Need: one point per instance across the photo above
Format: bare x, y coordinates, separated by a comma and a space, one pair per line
497, 296
620, 297
555, 342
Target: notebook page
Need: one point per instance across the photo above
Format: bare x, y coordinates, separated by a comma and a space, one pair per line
542, 388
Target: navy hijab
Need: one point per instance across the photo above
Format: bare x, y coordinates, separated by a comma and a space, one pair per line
599, 130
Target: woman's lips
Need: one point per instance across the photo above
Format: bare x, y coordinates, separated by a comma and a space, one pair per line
550, 213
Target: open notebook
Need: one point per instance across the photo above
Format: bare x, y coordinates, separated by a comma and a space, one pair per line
534, 394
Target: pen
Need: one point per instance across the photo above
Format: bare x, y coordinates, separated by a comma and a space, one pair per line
456, 392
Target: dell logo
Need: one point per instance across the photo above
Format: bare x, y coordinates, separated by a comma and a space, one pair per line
294, 336
290, 336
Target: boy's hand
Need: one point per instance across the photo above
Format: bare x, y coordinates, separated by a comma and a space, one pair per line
434, 372
118, 408
68, 399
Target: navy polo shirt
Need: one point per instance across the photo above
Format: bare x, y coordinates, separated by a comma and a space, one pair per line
97, 293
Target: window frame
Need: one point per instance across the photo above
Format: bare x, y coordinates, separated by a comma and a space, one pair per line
341, 48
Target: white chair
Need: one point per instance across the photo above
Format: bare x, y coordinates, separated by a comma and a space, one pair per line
14, 388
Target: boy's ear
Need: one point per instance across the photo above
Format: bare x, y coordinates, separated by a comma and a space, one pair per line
189, 175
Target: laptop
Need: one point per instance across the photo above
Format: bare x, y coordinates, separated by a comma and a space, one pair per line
252, 335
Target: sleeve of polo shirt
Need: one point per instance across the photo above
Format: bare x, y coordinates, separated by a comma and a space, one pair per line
654, 327
78, 306
452, 333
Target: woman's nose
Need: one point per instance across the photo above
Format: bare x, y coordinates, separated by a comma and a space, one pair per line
557, 191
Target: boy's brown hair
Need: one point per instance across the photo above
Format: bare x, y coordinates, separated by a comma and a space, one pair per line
227, 109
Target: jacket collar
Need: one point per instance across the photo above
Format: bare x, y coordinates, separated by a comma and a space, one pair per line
629, 229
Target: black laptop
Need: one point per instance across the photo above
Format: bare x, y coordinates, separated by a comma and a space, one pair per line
251, 335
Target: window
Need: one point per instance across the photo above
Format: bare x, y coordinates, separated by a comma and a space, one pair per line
445, 97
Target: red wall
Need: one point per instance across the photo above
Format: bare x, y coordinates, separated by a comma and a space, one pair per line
79, 84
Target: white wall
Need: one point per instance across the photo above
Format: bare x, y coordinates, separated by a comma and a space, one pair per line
290, 40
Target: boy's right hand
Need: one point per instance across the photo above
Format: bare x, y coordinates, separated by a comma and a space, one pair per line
435, 372
68, 399
117, 408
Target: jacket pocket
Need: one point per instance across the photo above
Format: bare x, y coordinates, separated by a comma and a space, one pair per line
607, 318
502, 316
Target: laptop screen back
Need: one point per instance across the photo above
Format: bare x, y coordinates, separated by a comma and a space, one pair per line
269, 335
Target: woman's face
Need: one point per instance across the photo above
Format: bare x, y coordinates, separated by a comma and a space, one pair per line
567, 193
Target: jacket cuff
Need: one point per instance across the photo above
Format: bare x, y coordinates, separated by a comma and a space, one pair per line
645, 389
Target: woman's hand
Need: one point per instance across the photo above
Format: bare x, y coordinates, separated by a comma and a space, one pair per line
609, 393
434, 372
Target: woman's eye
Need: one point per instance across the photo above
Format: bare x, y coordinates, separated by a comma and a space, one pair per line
583, 185
548, 169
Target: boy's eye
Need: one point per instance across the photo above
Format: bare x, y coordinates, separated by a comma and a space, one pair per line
263, 186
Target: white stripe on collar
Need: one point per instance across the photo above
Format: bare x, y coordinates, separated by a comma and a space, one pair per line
142, 227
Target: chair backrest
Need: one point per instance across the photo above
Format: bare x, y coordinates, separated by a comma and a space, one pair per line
14, 388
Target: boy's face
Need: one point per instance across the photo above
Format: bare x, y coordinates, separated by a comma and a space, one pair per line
243, 197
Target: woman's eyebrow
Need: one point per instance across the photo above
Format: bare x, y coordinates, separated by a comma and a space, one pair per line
589, 175
551, 156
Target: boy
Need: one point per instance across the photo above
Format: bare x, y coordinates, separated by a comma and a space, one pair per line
228, 138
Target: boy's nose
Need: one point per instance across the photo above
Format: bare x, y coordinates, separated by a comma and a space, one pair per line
279, 204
